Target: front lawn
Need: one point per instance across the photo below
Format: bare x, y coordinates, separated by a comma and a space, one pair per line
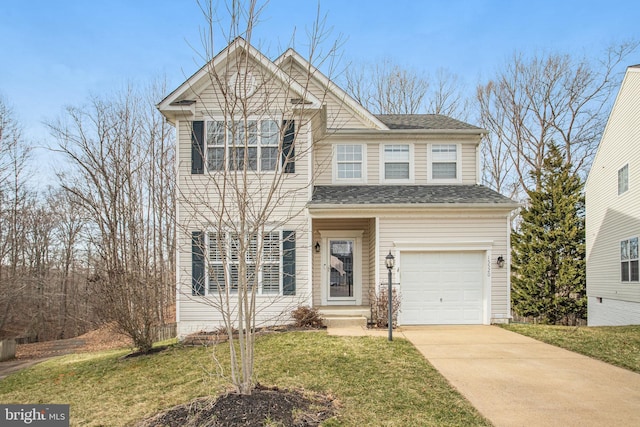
374, 381
617, 345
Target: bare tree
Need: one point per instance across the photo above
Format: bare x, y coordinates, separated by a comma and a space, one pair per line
113, 147
14, 195
540, 100
247, 183
388, 88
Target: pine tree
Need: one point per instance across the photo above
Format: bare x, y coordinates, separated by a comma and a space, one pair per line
548, 250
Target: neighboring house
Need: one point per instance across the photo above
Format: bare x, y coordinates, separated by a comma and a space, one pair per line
360, 186
612, 195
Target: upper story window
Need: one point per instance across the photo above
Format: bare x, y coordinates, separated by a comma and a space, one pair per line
629, 271
397, 163
349, 162
444, 161
623, 179
252, 141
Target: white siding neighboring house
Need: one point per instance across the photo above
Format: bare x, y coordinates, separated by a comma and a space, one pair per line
613, 213
363, 185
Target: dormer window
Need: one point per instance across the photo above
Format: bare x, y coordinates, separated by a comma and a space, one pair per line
444, 162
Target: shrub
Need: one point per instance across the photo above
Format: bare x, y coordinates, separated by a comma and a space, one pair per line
307, 317
379, 303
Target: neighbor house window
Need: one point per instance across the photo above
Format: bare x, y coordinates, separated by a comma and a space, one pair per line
397, 162
629, 271
349, 162
225, 251
230, 145
444, 161
623, 179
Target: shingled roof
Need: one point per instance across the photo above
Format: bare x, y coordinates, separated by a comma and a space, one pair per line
407, 194
424, 121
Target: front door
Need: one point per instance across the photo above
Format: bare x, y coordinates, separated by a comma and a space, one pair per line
341, 269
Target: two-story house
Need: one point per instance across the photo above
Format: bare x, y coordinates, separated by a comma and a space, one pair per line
613, 213
352, 188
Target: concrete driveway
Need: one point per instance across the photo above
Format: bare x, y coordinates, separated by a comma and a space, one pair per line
518, 381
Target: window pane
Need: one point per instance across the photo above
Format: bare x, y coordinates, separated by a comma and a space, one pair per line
623, 179
269, 132
443, 153
633, 248
271, 248
237, 158
634, 271
234, 277
396, 171
624, 271
395, 153
271, 279
215, 159
349, 171
215, 132
217, 247
246, 135
624, 250
349, 153
444, 170
216, 278
269, 159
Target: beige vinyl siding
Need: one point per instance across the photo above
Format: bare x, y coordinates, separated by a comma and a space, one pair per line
339, 116
612, 217
456, 229
324, 160
469, 164
345, 224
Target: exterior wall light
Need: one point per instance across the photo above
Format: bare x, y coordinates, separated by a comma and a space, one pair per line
317, 246
500, 261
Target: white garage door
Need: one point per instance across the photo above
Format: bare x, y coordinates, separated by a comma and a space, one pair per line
441, 288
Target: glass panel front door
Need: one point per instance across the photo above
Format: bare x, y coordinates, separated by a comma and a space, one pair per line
341, 275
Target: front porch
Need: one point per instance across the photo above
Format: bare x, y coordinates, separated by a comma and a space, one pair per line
344, 269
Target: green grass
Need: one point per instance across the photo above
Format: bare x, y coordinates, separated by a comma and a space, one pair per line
617, 345
375, 382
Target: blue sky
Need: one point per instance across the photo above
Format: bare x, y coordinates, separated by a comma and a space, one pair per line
57, 53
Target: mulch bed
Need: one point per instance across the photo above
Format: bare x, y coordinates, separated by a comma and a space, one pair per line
265, 406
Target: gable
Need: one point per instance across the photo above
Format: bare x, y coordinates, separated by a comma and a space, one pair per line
622, 132
240, 68
343, 112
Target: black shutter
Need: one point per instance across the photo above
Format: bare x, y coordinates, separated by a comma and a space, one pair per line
288, 150
197, 263
197, 147
289, 262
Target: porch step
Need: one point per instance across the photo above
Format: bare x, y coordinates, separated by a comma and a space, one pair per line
333, 321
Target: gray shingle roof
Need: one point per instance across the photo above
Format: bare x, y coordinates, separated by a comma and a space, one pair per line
406, 194
424, 121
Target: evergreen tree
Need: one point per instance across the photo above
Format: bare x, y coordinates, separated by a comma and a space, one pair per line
548, 251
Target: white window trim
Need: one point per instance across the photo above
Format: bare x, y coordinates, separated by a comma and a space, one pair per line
259, 119
363, 177
458, 178
227, 235
411, 179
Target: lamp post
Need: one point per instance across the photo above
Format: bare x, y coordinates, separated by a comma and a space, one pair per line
390, 262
